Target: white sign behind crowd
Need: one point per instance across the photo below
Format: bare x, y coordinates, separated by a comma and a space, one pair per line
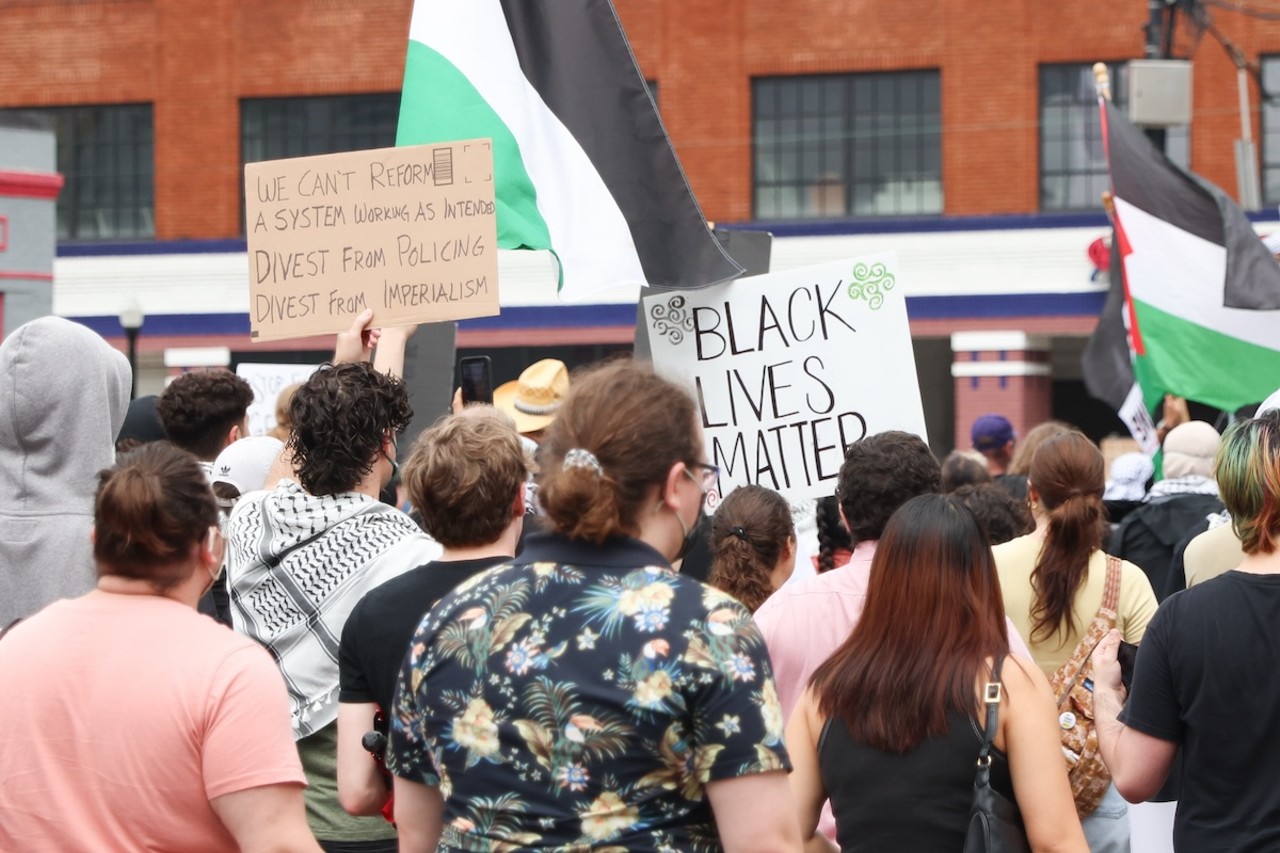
789, 369
268, 380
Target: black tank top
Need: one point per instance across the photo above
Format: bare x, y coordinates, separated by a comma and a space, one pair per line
918, 801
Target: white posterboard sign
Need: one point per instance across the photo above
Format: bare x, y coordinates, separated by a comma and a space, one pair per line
268, 380
789, 369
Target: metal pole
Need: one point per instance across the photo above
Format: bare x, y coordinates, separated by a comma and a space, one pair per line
1155, 50
1248, 182
131, 335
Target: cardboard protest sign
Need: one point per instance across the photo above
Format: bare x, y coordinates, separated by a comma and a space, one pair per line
410, 232
267, 381
789, 369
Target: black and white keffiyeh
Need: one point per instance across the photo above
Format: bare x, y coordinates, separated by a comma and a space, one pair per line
1192, 484
296, 566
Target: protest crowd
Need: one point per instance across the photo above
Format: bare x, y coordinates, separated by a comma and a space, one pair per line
524, 631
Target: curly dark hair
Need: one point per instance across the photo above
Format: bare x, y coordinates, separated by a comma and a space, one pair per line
341, 416
880, 473
199, 408
1001, 515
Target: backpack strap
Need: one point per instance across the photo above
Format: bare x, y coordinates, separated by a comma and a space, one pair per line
1105, 619
1111, 593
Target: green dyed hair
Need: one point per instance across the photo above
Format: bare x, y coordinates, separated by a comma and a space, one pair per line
1247, 468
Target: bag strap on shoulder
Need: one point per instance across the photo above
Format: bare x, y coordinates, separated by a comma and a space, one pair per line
1069, 673
991, 695
1111, 592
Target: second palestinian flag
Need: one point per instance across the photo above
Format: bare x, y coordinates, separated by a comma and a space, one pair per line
1202, 290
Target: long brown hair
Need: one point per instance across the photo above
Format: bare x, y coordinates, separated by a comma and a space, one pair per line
1069, 475
932, 617
749, 533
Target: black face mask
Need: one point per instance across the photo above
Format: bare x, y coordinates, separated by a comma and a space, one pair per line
690, 535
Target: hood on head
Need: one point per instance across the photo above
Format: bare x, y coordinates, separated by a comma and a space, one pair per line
1189, 450
63, 396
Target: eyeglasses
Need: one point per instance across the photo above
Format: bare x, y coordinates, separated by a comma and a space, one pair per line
710, 475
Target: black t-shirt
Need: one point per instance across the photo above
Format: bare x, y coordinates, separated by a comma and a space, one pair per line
1206, 678
377, 634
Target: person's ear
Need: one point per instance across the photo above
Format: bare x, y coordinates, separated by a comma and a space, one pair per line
844, 522
235, 433
518, 505
670, 488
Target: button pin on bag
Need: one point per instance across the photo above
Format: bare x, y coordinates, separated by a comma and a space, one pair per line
1067, 721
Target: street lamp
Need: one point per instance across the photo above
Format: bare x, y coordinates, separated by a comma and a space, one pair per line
131, 319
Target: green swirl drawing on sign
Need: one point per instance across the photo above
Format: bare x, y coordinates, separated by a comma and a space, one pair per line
870, 281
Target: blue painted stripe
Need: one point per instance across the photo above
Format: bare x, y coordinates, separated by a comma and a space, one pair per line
618, 316
788, 228
151, 247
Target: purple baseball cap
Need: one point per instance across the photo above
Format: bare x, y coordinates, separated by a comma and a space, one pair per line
991, 432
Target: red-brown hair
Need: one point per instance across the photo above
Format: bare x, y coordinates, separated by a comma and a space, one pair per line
1069, 476
151, 509
933, 616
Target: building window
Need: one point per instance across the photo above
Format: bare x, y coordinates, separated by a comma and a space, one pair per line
1073, 164
105, 156
271, 128
1271, 131
847, 145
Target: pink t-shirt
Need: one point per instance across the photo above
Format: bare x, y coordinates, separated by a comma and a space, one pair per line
123, 716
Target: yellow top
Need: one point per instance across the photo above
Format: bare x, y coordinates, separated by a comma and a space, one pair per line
1213, 552
1016, 559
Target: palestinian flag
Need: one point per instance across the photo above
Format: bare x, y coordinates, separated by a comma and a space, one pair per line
582, 163
1201, 293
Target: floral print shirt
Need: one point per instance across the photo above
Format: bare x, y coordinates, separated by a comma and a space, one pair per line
581, 698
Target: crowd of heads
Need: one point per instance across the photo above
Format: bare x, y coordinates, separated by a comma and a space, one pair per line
621, 453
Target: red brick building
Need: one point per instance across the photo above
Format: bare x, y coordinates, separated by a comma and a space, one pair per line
953, 131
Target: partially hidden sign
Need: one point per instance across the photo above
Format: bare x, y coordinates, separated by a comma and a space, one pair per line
789, 369
409, 232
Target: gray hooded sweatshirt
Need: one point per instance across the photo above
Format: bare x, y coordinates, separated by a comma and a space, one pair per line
63, 396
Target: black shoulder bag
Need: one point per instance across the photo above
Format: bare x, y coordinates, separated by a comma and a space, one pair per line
995, 823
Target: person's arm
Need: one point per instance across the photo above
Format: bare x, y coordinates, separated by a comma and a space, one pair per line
389, 358
361, 789
1029, 721
419, 813
804, 729
754, 813
267, 819
1139, 763
357, 342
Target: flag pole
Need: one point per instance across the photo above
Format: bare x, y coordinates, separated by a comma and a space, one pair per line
1133, 411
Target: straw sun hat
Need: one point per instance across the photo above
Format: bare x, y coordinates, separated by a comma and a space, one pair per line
532, 400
